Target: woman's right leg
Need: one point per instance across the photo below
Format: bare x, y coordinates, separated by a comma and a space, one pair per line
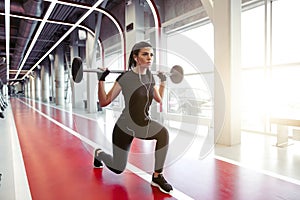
121, 145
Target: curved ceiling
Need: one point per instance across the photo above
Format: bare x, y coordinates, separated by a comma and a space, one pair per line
26, 34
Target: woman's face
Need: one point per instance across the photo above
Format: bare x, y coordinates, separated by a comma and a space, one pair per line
145, 57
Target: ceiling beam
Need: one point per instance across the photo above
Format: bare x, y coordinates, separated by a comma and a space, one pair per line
43, 23
48, 21
208, 5
77, 24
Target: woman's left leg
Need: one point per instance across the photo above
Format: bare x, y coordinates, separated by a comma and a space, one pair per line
161, 135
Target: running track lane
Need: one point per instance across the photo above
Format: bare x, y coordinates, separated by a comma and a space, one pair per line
200, 179
59, 167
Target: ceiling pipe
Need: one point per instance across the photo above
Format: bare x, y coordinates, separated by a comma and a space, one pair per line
15, 7
27, 27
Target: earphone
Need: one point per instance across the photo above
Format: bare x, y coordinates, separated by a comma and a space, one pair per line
148, 95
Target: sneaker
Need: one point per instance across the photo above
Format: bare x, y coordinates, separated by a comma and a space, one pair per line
97, 163
161, 183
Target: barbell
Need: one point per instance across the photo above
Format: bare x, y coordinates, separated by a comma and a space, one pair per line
175, 74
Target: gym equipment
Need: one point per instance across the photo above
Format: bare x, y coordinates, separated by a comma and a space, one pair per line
175, 74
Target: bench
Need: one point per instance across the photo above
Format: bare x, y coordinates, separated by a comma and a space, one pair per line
282, 129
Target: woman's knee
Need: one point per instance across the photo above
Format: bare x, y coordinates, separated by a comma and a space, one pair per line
116, 171
162, 138
165, 134
119, 163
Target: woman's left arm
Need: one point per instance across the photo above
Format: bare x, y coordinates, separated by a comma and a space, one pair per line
159, 92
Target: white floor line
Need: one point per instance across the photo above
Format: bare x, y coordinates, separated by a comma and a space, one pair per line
22, 191
73, 112
142, 174
266, 172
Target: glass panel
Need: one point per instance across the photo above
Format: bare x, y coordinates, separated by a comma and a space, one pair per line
193, 96
285, 93
204, 37
252, 42
173, 103
285, 35
190, 101
254, 100
285, 98
114, 62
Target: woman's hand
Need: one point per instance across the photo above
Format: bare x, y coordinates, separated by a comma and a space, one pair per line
102, 75
162, 76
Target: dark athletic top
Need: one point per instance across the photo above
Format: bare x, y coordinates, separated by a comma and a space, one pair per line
138, 95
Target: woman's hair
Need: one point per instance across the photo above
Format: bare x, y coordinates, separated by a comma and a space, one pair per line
135, 51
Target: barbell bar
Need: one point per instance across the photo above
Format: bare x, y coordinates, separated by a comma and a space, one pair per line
175, 74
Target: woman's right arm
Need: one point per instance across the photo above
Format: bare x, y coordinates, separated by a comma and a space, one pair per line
106, 98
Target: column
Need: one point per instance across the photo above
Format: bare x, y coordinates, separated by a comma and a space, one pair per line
37, 82
52, 78
32, 90
28, 87
90, 58
134, 20
227, 30
25, 87
92, 81
59, 76
45, 82
78, 89
26, 90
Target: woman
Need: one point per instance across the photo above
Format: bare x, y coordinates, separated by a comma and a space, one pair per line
138, 88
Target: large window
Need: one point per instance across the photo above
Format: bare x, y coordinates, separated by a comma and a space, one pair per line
285, 95
252, 42
285, 31
254, 95
270, 80
285, 59
192, 49
270, 70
